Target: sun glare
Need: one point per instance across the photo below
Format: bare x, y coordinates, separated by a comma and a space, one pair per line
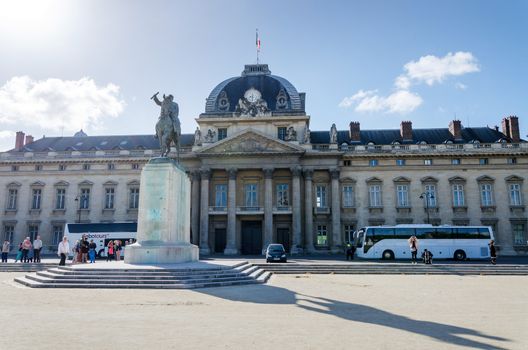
29, 15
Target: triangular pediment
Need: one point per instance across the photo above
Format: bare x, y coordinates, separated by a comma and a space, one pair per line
250, 141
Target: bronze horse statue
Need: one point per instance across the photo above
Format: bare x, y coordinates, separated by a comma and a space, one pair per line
168, 129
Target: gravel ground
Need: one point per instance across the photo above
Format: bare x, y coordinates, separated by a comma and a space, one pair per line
289, 312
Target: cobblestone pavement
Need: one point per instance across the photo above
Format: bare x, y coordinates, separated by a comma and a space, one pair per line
290, 312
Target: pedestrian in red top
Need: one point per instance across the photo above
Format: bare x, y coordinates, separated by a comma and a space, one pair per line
110, 255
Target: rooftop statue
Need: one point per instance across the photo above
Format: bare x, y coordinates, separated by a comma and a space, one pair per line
168, 128
333, 134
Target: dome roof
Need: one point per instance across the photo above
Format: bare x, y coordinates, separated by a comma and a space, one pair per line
279, 94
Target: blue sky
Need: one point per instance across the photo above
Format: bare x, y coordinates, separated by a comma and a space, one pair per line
94, 64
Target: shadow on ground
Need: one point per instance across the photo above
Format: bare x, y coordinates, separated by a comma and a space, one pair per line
268, 294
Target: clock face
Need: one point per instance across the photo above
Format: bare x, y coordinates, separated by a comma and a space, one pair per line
252, 95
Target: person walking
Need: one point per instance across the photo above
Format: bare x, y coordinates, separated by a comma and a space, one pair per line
63, 250
110, 254
84, 249
37, 247
5, 250
26, 246
91, 251
413, 245
19, 253
493, 252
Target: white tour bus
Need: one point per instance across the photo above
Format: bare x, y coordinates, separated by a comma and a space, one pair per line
445, 242
101, 233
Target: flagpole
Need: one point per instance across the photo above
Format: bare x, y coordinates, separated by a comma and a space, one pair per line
257, 45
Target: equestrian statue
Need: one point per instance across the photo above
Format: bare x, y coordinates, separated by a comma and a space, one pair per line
168, 128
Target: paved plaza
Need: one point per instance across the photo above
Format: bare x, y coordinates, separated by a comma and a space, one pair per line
290, 312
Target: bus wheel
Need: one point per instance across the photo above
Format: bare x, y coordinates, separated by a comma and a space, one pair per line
460, 255
100, 254
387, 255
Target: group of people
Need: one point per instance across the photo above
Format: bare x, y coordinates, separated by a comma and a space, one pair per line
28, 252
85, 250
114, 250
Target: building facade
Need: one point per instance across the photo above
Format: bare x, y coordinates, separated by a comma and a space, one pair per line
260, 175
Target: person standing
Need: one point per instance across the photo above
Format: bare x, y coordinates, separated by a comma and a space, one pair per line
26, 246
84, 249
63, 250
493, 252
413, 245
37, 247
5, 250
19, 253
110, 254
91, 251
117, 245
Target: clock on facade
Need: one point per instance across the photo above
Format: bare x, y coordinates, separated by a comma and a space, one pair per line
252, 95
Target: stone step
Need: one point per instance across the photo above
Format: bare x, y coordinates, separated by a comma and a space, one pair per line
78, 268
49, 274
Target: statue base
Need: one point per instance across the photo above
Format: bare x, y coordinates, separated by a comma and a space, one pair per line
161, 253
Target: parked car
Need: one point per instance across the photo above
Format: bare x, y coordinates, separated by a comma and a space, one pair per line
275, 252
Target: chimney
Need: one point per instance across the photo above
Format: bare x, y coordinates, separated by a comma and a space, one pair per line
510, 128
354, 132
19, 141
406, 131
29, 139
455, 129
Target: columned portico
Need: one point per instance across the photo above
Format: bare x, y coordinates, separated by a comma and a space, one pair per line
268, 208
296, 210
195, 207
308, 211
336, 211
231, 246
205, 174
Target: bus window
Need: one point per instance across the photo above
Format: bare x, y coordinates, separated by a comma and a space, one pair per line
403, 232
360, 236
484, 233
468, 233
383, 233
443, 233
425, 233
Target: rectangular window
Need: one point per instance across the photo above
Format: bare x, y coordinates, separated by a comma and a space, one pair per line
430, 191
402, 192
512, 160
58, 232
428, 162
347, 162
349, 233
9, 233
135, 166
486, 195
32, 232
483, 161
519, 237
455, 161
320, 196
458, 195
111, 166
221, 195
60, 200
281, 132
373, 162
36, 198
109, 198
12, 199
322, 235
515, 194
375, 195
85, 199
14, 167
251, 195
38, 167
133, 201
283, 199
62, 167
222, 133
86, 166
400, 162
348, 196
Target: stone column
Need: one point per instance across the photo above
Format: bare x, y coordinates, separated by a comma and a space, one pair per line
296, 210
336, 211
231, 246
205, 174
195, 207
268, 208
308, 211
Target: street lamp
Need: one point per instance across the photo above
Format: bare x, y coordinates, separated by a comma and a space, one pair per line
78, 209
428, 196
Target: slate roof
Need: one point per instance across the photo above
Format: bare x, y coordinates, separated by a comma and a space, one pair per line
430, 136
99, 143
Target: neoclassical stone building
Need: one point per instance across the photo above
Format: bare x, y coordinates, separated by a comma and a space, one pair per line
260, 175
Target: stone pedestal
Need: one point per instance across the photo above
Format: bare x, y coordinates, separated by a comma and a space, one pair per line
164, 217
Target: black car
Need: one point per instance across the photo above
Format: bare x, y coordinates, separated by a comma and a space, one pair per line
275, 252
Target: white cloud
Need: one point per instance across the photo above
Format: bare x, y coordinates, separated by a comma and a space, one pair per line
401, 101
6, 134
56, 104
432, 69
402, 82
460, 86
